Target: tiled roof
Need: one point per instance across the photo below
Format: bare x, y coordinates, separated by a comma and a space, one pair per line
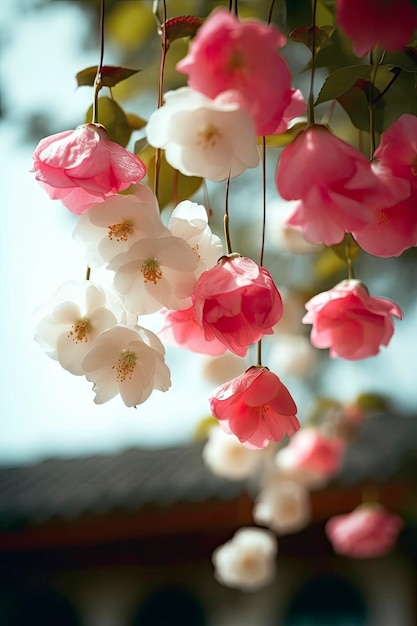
132, 479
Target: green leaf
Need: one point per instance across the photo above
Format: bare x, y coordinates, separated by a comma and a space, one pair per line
110, 75
284, 139
114, 119
322, 36
405, 59
340, 81
135, 122
183, 26
173, 186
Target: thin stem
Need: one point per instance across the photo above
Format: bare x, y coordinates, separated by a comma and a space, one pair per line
348, 257
259, 356
271, 10
88, 273
226, 220
263, 200
233, 7
98, 83
371, 106
313, 64
164, 49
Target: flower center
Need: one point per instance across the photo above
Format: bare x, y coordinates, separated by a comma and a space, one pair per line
80, 330
208, 136
382, 217
151, 271
120, 232
236, 61
125, 366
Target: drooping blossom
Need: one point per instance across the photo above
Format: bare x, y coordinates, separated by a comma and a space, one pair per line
283, 505
155, 272
111, 227
312, 450
237, 303
256, 407
241, 56
227, 457
349, 321
248, 560
368, 531
204, 137
189, 221
83, 166
388, 24
72, 321
181, 329
334, 185
394, 228
126, 361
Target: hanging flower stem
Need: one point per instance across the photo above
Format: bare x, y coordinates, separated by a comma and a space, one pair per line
310, 111
164, 49
98, 82
348, 257
226, 220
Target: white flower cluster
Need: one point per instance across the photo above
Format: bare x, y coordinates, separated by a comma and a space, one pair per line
93, 330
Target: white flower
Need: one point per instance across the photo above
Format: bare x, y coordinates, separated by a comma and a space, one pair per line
283, 505
112, 226
227, 457
247, 561
75, 317
204, 137
190, 222
129, 362
155, 272
293, 355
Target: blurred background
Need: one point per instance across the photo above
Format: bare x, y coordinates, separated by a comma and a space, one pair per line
107, 515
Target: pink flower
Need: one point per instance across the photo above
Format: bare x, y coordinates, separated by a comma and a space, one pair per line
81, 167
312, 450
397, 150
256, 407
296, 108
237, 303
181, 329
335, 186
394, 228
388, 24
368, 531
349, 321
241, 56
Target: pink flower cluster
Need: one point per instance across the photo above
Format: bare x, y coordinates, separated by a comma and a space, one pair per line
337, 190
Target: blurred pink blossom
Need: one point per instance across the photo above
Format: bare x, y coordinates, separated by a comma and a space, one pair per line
349, 321
388, 24
256, 407
368, 531
315, 451
241, 56
81, 167
334, 185
237, 303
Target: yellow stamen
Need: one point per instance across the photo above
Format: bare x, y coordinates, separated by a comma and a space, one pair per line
125, 366
80, 330
151, 271
209, 135
121, 231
